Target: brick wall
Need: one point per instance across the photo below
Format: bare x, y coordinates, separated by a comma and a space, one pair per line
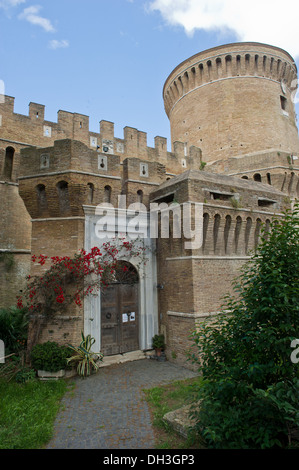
228, 101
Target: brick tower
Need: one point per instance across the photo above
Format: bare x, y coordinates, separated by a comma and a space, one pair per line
233, 100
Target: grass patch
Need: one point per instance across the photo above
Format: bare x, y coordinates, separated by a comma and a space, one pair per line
28, 411
164, 399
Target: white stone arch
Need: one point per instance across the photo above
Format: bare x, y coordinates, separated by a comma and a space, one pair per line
147, 298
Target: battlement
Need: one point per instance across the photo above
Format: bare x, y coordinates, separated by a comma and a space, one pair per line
220, 63
233, 100
17, 130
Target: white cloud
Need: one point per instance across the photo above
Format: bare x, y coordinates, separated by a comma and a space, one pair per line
55, 44
6, 4
31, 15
269, 21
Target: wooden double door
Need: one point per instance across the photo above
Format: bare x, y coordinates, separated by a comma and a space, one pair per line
119, 319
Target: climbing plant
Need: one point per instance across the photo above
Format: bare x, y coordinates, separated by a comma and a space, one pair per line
68, 280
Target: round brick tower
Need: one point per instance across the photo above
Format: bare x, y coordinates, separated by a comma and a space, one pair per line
234, 99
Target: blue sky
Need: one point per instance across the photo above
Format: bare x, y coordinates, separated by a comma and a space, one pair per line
109, 59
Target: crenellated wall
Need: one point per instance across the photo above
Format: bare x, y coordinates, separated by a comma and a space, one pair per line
18, 131
50, 169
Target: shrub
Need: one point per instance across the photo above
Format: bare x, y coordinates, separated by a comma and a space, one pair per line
158, 342
25, 374
14, 328
49, 356
250, 392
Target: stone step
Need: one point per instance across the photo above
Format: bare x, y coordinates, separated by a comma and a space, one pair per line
125, 357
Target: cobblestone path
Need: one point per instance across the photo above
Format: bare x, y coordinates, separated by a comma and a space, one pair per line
108, 410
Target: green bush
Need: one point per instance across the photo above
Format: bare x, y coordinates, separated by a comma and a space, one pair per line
49, 356
14, 328
250, 390
158, 342
25, 374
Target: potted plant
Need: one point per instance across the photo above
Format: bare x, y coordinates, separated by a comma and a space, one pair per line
158, 343
85, 359
50, 360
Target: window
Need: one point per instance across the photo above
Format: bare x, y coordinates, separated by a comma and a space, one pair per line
140, 196
257, 177
41, 198
283, 104
221, 196
90, 192
8, 162
268, 178
265, 202
63, 194
107, 194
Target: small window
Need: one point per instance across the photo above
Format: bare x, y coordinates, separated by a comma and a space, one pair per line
8, 162
140, 196
257, 177
266, 203
221, 196
283, 103
90, 193
168, 199
107, 194
41, 198
63, 194
268, 178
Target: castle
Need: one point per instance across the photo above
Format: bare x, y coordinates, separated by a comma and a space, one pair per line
234, 153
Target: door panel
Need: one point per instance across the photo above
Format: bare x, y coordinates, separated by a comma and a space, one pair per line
119, 319
129, 328
109, 320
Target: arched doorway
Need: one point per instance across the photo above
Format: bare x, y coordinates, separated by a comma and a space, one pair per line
120, 311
